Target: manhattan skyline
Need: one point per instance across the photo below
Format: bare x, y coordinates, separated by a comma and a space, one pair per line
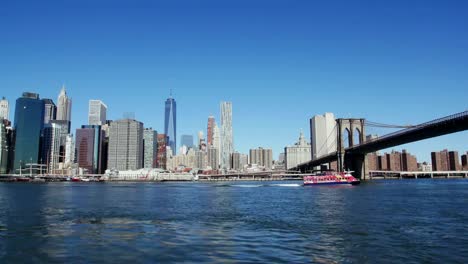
406, 68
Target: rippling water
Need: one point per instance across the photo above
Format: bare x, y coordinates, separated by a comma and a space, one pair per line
377, 222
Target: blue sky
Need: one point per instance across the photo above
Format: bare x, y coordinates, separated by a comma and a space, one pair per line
279, 62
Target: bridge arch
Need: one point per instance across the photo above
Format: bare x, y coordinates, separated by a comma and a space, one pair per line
357, 139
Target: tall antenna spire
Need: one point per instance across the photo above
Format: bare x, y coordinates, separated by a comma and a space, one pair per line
170, 93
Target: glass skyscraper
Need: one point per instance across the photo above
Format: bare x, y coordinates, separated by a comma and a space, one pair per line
170, 124
227, 146
29, 121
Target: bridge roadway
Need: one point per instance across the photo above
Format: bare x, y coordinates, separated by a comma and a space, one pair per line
355, 155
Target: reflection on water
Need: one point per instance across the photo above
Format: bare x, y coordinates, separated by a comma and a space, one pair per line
385, 221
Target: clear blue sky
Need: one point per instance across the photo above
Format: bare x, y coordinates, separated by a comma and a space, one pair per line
279, 62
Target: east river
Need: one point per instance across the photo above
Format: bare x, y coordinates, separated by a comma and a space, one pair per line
396, 221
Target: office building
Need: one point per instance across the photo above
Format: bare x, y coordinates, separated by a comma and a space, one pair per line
239, 161
50, 111
170, 123
323, 134
50, 150
64, 106
125, 145
298, 153
89, 141
227, 145
4, 109
6, 148
97, 113
29, 121
69, 150
150, 146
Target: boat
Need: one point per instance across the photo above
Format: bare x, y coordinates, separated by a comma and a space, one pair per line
331, 178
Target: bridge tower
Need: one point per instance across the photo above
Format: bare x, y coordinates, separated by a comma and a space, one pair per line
347, 160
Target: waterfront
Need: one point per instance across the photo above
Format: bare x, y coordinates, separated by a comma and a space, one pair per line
376, 222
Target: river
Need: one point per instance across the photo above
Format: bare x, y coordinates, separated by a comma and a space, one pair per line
386, 221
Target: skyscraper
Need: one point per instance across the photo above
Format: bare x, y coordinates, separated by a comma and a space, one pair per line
64, 105
50, 110
209, 131
150, 146
97, 113
29, 121
51, 140
125, 145
69, 150
170, 123
89, 141
227, 146
4, 109
213, 158
4, 147
161, 160
323, 134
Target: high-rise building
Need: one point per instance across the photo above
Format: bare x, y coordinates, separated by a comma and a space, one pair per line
125, 145
64, 106
464, 160
170, 123
201, 141
408, 162
453, 161
200, 159
445, 161
262, 157
161, 155
29, 121
69, 150
298, 153
150, 146
186, 140
4, 109
5, 147
89, 140
97, 113
239, 161
213, 158
227, 145
50, 150
323, 134
209, 131
50, 111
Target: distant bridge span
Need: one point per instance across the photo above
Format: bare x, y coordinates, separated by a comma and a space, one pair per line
353, 157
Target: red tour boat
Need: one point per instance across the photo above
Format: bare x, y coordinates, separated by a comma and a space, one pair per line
329, 178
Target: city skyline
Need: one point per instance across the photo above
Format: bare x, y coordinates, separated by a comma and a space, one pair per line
280, 62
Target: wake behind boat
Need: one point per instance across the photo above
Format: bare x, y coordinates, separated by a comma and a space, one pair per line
331, 178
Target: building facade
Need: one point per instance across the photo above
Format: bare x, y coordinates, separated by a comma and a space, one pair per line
6, 150
445, 161
299, 153
4, 109
227, 144
170, 123
50, 111
323, 134
262, 157
161, 153
213, 158
150, 146
50, 150
64, 106
209, 130
89, 141
97, 113
29, 122
125, 145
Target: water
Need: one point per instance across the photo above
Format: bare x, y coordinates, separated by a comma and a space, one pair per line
409, 221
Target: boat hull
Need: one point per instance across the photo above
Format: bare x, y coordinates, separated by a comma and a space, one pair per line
332, 183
